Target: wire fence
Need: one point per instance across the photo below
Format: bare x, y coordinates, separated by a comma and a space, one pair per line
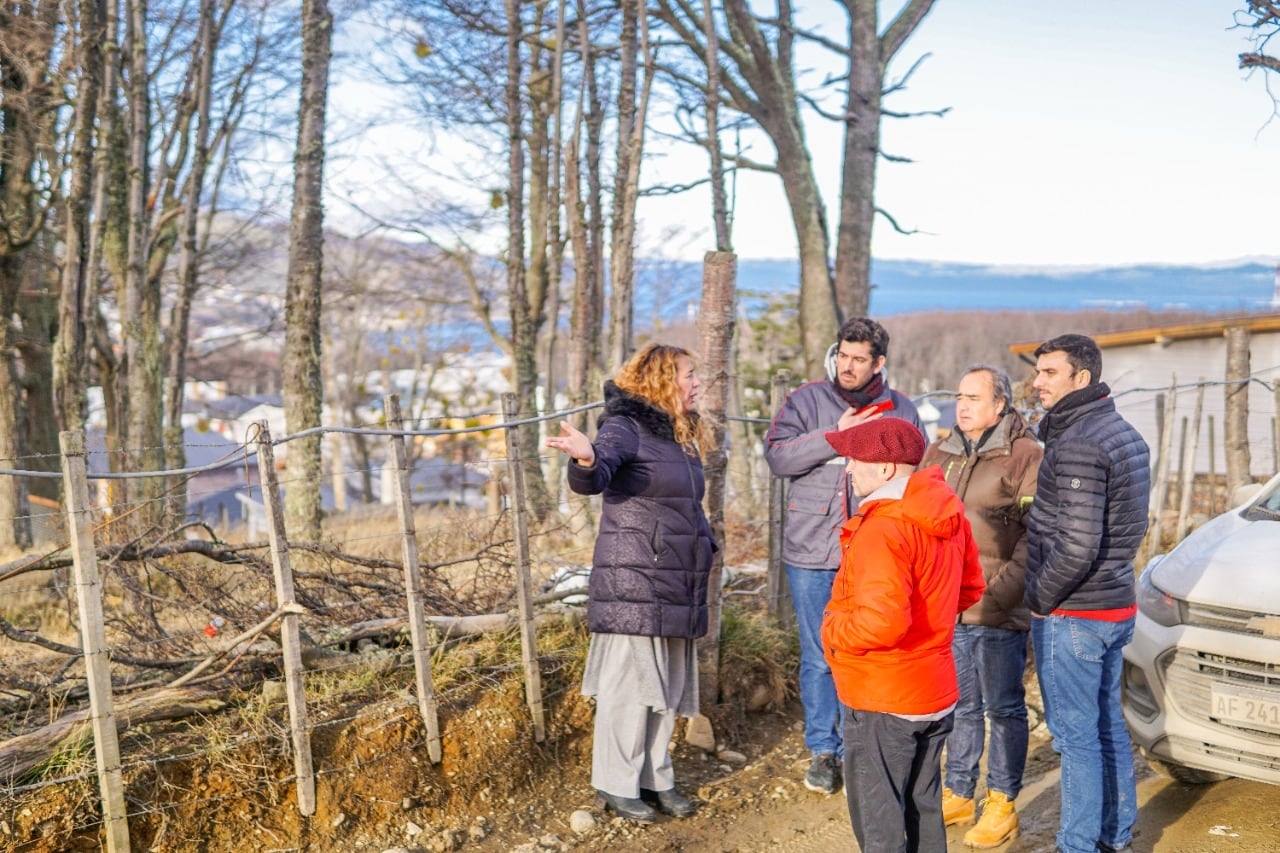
106, 635
111, 627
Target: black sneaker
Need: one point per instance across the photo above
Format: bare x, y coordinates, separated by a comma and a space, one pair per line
824, 774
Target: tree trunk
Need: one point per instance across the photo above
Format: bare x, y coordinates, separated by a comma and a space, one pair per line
555, 462
140, 315
1235, 418
188, 261
38, 313
622, 244
584, 325
869, 56
715, 333
586, 234
303, 383
15, 527
27, 36
524, 339
719, 201
861, 149
71, 356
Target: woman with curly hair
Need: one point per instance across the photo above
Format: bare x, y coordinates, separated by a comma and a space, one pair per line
647, 596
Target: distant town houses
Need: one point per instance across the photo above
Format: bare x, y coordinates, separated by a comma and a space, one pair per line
463, 390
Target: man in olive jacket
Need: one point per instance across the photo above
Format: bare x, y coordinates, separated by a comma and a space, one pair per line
991, 460
1084, 529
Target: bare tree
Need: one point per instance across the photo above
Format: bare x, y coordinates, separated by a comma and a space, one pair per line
586, 227
1263, 18
74, 311
210, 26
303, 380
758, 79
28, 36
142, 364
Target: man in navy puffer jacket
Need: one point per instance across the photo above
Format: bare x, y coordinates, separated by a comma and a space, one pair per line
1083, 531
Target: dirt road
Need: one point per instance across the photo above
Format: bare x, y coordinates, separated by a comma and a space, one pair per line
763, 807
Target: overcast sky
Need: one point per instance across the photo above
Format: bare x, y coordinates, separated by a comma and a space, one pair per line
1089, 132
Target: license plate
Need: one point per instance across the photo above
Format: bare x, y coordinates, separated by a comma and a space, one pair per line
1249, 708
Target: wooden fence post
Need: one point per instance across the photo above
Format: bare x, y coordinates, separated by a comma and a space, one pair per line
1156, 534
776, 589
524, 580
1189, 466
93, 639
1235, 418
337, 471
715, 332
413, 583
290, 642
1275, 431
1176, 489
1213, 472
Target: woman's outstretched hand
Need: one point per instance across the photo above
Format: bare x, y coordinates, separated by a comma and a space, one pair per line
574, 443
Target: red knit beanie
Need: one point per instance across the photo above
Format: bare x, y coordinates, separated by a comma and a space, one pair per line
881, 440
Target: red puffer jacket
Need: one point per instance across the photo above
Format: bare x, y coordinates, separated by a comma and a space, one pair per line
910, 566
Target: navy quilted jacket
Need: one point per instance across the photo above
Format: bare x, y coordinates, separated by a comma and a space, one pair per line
1090, 511
653, 554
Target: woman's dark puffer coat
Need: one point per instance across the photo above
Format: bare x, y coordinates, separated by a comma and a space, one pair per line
653, 555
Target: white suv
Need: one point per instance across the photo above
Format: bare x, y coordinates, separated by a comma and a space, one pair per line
1201, 683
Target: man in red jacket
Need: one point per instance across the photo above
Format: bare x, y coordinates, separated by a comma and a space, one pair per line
909, 568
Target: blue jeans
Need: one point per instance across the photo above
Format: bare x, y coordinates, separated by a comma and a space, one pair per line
810, 592
989, 667
1078, 662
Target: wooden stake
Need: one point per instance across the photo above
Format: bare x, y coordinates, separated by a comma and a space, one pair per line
290, 639
524, 579
413, 582
1189, 465
93, 639
1155, 536
1213, 472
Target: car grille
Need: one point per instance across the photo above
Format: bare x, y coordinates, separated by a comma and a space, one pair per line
1257, 760
1188, 674
1226, 619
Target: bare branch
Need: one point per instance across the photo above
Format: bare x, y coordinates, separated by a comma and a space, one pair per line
902, 27
1259, 60
893, 223
939, 113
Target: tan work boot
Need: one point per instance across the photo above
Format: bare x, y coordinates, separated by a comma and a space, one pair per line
956, 810
998, 824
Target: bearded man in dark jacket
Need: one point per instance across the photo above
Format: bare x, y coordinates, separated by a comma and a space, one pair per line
1084, 529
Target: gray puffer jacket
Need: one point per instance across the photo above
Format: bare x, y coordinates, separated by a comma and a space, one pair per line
652, 557
1090, 511
817, 499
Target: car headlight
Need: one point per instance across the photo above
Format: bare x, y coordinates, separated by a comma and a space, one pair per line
1156, 604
